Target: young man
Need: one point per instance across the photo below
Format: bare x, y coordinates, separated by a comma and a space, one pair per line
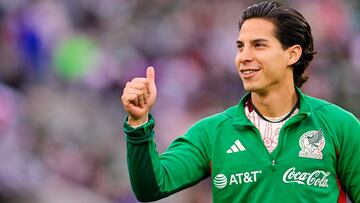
276, 145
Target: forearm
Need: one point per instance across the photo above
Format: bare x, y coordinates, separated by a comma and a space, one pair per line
142, 172
140, 145
154, 177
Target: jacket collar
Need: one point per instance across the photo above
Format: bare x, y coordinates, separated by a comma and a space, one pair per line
239, 117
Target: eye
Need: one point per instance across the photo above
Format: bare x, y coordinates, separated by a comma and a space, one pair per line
240, 46
259, 45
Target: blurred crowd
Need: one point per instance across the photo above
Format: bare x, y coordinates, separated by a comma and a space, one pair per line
63, 65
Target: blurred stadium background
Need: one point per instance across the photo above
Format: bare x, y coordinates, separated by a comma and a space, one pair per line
63, 65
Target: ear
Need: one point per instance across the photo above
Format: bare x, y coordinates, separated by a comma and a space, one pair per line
294, 54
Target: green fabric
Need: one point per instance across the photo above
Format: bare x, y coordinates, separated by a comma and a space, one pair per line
253, 174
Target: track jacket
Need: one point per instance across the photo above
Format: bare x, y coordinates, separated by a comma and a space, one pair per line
317, 158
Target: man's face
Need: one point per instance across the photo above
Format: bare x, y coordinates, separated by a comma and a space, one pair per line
262, 63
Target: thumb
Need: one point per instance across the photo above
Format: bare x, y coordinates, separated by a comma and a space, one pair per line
150, 74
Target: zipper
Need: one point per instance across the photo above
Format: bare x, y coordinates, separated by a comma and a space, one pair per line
282, 136
273, 162
271, 159
281, 142
282, 139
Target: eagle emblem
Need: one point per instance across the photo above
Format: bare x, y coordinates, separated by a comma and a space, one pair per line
312, 143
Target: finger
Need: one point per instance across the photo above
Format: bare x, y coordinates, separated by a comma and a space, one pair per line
141, 101
150, 74
131, 98
132, 95
140, 87
143, 81
137, 85
140, 96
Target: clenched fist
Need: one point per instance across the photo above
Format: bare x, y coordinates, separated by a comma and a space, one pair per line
139, 96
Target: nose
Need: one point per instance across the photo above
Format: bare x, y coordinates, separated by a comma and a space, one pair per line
243, 56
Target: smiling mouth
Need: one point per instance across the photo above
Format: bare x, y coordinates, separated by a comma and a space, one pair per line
248, 72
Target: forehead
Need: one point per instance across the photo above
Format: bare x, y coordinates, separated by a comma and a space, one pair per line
254, 28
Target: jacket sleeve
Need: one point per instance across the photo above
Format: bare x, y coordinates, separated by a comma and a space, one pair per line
349, 155
155, 176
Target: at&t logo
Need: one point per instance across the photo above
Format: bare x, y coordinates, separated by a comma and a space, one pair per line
220, 181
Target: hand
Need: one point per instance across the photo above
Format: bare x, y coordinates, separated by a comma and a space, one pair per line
139, 96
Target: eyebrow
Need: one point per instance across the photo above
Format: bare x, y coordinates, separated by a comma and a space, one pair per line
253, 41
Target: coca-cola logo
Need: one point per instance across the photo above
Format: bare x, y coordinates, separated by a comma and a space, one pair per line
316, 178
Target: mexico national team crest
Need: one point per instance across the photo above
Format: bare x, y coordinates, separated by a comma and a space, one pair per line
312, 143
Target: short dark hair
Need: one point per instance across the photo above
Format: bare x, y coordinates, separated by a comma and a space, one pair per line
291, 29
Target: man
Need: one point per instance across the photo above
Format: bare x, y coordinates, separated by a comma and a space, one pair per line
276, 145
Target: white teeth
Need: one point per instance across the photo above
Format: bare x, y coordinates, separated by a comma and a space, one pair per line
246, 72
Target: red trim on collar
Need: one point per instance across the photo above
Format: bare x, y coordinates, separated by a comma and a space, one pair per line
248, 105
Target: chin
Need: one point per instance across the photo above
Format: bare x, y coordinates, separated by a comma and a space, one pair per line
253, 89
249, 88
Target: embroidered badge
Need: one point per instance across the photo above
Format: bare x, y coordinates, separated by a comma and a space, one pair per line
312, 143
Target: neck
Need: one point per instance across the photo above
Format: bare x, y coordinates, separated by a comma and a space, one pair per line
275, 103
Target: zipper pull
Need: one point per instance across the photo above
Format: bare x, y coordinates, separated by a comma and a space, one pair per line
273, 162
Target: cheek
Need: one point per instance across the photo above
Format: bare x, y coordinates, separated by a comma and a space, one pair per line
274, 61
237, 60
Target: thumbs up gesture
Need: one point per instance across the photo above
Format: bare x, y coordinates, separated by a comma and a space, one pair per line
139, 96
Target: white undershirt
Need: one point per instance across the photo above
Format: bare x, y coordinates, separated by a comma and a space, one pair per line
269, 131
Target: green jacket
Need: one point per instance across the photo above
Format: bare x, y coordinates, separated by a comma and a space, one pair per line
317, 158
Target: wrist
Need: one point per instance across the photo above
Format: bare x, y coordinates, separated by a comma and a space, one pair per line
133, 122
